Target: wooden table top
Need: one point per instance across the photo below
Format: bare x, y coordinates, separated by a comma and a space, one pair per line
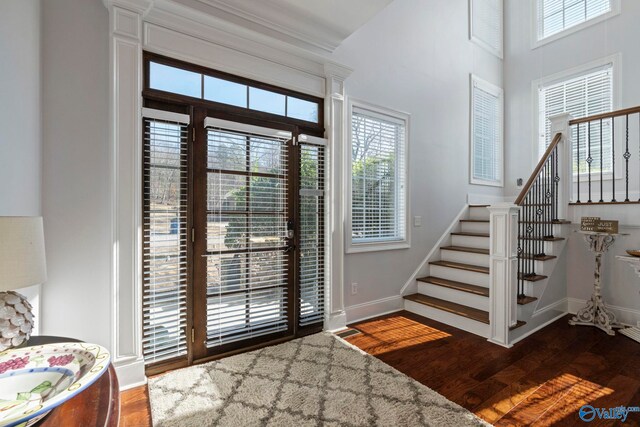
98, 405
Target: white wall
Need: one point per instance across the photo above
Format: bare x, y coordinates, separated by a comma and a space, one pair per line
523, 65
415, 56
75, 171
20, 140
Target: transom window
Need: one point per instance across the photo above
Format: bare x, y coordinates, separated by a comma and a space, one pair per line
556, 16
216, 88
378, 206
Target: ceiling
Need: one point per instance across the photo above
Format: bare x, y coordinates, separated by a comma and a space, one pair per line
317, 25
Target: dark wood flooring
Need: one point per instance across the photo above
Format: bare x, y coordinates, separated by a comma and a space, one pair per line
541, 381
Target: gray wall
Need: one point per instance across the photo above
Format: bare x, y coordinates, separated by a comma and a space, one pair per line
75, 64
415, 56
20, 131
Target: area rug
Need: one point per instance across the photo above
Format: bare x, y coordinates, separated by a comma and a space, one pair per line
318, 380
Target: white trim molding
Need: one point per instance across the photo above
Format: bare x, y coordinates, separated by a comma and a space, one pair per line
166, 27
625, 315
370, 309
496, 92
389, 115
536, 41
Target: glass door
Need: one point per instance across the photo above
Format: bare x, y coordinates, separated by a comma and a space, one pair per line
245, 248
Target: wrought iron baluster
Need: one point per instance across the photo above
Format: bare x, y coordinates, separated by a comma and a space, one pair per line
613, 159
627, 156
589, 158
601, 162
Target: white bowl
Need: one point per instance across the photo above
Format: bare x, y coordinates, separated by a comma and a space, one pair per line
34, 380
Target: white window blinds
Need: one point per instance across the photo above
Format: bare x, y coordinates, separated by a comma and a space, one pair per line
164, 293
555, 16
486, 24
582, 95
486, 133
378, 182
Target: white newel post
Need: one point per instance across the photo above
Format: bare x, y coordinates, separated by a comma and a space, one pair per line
503, 304
560, 123
335, 315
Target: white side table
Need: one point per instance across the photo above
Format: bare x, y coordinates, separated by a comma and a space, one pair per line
634, 262
595, 312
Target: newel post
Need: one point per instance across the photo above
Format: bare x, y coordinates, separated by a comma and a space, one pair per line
503, 250
560, 124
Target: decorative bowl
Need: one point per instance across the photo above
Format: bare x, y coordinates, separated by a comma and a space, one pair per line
634, 252
34, 380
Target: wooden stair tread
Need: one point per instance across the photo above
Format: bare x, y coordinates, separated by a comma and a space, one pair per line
517, 325
451, 307
461, 266
546, 239
526, 300
532, 278
537, 257
466, 249
470, 234
479, 206
459, 286
475, 220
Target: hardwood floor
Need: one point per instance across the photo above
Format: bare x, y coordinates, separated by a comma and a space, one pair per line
542, 380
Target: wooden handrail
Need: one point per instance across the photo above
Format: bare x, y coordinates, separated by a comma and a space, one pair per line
536, 171
608, 115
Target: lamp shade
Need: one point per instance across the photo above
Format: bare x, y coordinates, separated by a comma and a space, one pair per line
22, 259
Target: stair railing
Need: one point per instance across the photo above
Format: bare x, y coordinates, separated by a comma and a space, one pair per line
598, 163
519, 230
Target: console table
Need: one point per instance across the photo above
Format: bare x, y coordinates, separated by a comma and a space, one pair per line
634, 262
98, 405
595, 312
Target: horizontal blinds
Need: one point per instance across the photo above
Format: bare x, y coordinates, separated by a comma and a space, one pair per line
311, 264
247, 269
487, 134
486, 23
584, 95
555, 16
164, 295
378, 204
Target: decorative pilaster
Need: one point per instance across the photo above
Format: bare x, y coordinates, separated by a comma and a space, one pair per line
503, 250
125, 50
335, 114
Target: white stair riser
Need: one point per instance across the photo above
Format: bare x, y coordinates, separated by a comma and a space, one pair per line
478, 213
470, 241
464, 276
548, 247
465, 257
459, 297
445, 317
475, 227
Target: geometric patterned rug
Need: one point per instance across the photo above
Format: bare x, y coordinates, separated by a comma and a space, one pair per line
318, 380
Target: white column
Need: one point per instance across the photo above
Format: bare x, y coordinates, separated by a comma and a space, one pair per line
560, 123
503, 304
126, 150
335, 119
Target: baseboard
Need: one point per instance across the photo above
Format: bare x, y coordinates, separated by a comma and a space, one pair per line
130, 374
626, 316
434, 249
335, 321
536, 329
380, 307
558, 305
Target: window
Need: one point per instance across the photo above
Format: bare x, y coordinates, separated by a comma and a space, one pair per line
378, 178
558, 16
583, 93
224, 90
486, 133
485, 24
